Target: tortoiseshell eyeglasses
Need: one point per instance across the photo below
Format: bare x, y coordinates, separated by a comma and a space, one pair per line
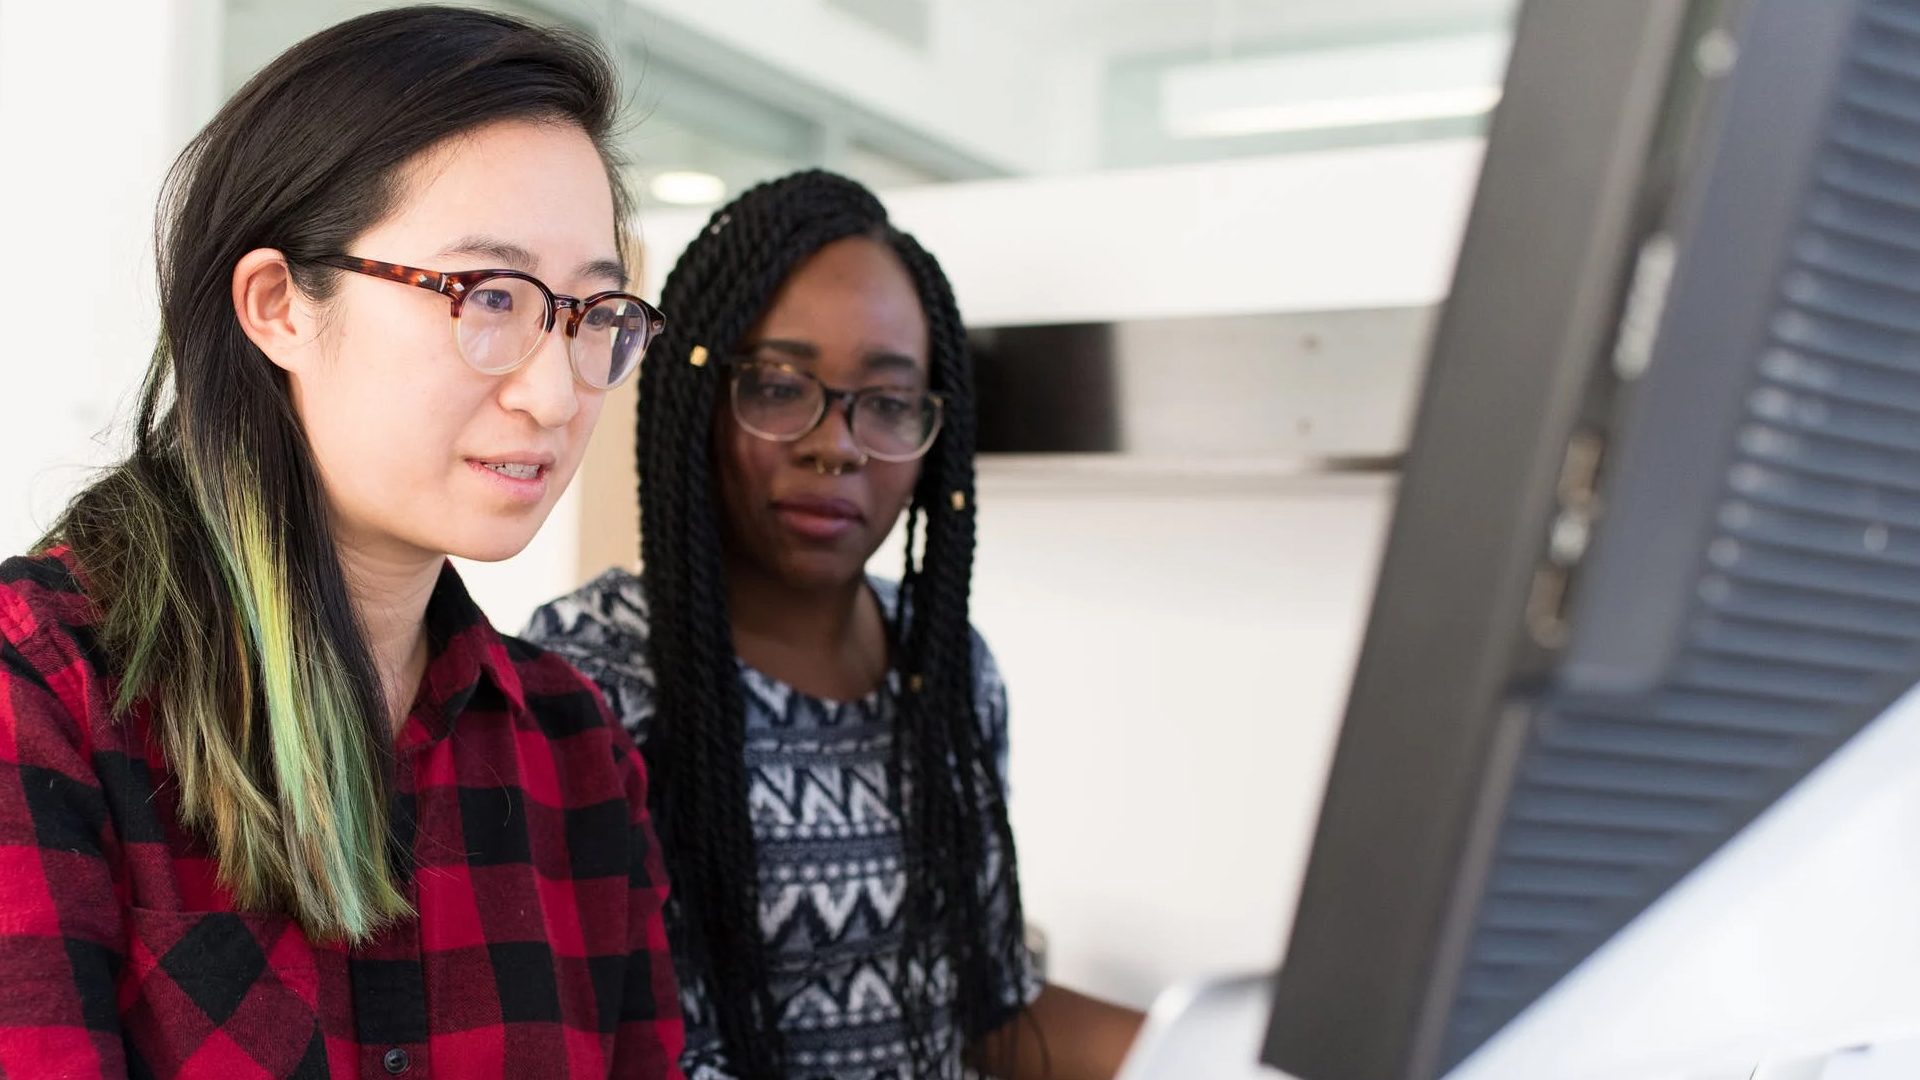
500, 317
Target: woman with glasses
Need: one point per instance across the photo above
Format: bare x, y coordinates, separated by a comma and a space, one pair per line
828, 749
275, 798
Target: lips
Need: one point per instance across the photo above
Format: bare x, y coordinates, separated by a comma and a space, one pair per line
818, 506
516, 464
514, 470
520, 476
818, 519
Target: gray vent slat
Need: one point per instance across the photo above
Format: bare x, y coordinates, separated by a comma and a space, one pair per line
1478, 1017
1852, 342
1765, 684
1739, 649
1847, 577
1820, 534
1800, 453
1848, 568
1560, 915
1867, 154
1774, 642
1883, 82
1732, 712
1850, 178
1493, 981
1814, 454
1834, 211
1570, 807
1752, 700
1617, 846
1788, 489
1477, 1022
1839, 423
1813, 610
1894, 390
1890, 48
1891, 57
1781, 573
1524, 878
1857, 260
1892, 19
1667, 742
1869, 96
1828, 294
1515, 947
1886, 138
1894, 349
1865, 170
1629, 777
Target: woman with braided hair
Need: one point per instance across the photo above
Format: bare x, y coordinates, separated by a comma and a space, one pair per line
828, 750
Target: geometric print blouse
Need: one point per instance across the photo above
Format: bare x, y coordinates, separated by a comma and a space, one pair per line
829, 842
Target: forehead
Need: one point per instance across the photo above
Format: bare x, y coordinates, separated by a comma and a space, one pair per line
852, 297
544, 186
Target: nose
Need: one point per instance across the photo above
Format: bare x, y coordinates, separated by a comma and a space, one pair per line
831, 442
544, 387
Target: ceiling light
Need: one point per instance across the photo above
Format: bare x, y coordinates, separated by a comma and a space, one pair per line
1357, 86
1343, 113
686, 187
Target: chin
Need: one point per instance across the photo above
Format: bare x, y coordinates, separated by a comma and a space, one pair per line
501, 544
823, 570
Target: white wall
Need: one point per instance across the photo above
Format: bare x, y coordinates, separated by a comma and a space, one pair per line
1367, 228
1177, 647
91, 115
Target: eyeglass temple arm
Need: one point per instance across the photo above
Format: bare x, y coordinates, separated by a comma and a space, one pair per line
445, 284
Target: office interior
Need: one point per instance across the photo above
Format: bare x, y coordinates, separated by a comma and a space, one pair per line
1235, 226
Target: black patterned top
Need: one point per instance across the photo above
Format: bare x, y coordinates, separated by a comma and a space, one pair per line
828, 837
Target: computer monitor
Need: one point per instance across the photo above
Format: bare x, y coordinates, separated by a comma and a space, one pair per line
1656, 555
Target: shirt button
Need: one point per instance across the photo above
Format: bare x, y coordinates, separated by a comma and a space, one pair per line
396, 1061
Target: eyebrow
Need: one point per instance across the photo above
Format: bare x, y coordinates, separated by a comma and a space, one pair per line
799, 350
877, 361
889, 361
515, 257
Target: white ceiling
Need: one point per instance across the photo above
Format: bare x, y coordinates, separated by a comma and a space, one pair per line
1167, 25
1019, 86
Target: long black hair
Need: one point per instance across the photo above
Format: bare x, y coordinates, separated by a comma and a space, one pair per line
959, 849
209, 550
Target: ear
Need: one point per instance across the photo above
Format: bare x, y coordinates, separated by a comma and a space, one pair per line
273, 313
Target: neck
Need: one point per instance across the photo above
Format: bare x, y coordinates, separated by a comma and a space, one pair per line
762, 605
828, 641
390, 590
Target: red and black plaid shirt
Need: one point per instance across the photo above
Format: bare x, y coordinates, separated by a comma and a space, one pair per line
520, 817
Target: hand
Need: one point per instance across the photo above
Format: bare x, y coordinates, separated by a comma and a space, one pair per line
1063, 1035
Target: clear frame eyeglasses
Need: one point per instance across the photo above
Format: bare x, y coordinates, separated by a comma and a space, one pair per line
500, 317
782, 403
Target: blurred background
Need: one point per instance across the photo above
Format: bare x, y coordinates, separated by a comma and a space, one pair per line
1200, 243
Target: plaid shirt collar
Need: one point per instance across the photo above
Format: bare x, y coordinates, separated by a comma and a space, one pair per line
463, 649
